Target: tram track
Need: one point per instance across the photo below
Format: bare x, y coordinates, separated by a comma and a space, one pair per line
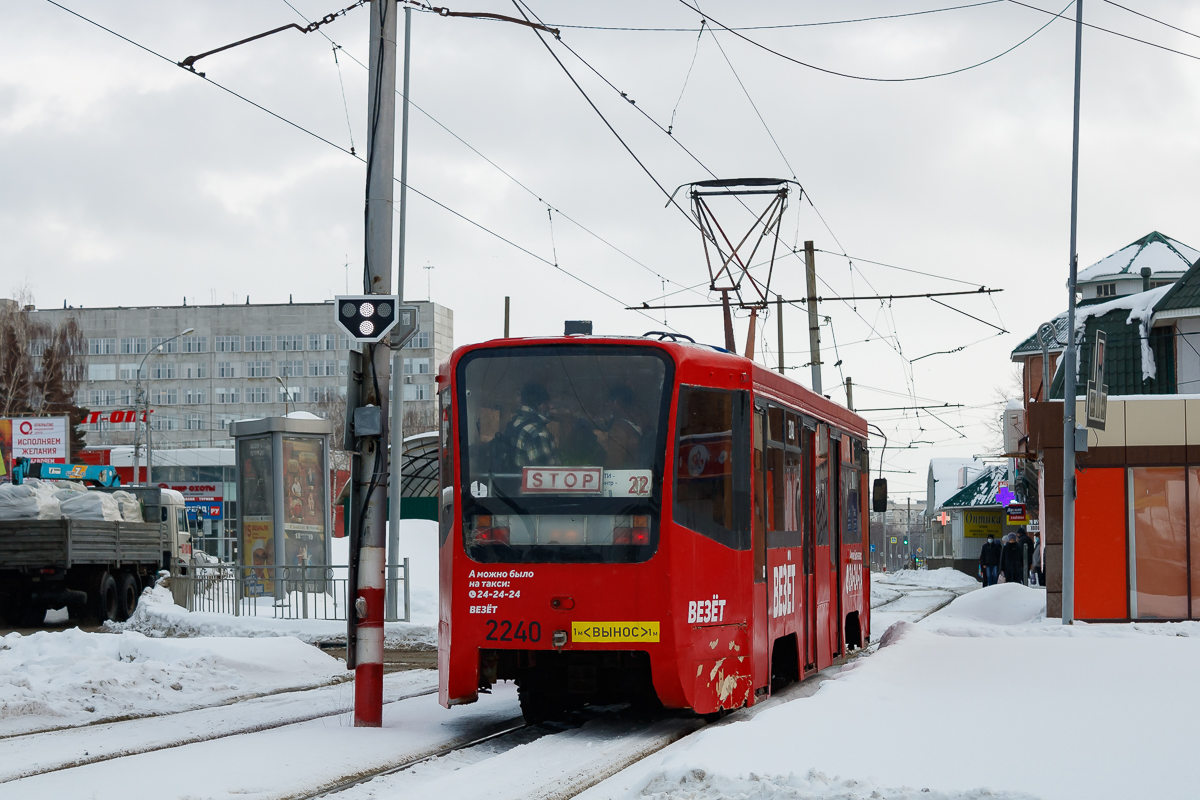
73, 747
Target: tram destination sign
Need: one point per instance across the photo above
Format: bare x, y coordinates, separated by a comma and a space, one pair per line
562, 480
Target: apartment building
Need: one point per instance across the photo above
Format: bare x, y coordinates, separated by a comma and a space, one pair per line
238, 362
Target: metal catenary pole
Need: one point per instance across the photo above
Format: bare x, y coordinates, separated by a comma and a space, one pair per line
779, 327
371, 465
814, 332
1070, 366
397, 445
506, 307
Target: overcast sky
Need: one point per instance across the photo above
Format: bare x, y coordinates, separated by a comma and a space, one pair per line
125, 180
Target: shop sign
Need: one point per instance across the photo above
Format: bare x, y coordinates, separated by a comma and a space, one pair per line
982, 524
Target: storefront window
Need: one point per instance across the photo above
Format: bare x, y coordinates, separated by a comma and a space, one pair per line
1160, 587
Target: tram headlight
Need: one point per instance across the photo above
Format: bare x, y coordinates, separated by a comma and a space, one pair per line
487, 529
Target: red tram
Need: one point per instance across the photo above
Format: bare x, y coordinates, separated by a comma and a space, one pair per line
629, 519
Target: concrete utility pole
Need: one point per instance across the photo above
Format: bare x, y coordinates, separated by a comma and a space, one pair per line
814, 332
370, 463
849, 394
779, 327
396, 448
506, 306
1070, 366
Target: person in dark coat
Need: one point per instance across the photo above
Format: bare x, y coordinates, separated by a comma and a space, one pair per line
1027, 548
989, 561
1010, 560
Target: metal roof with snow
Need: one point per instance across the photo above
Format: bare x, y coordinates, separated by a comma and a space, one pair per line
979, 492
1166, 257
1031, 345
1183, 297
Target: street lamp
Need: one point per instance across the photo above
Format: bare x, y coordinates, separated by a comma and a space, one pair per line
283, 386
140, 401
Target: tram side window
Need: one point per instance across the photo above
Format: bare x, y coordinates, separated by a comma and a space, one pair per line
711, 454
821, 488
851, 507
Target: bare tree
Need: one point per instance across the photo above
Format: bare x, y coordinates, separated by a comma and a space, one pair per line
41, 366
1011, 389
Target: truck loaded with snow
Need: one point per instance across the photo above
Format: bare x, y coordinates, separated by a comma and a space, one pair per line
91, 550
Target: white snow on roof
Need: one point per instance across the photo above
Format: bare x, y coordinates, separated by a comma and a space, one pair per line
1130, 259
303, 415
944, 472
1141, 310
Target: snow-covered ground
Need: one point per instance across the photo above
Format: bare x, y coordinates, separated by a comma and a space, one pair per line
985, 698
157, 615
944, 578
64, 678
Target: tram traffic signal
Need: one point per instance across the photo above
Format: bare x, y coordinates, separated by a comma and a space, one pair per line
906, 540
366, 317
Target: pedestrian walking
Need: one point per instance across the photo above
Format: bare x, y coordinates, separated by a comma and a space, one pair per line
1039, 574
1010, 559
989, 561
1027, 548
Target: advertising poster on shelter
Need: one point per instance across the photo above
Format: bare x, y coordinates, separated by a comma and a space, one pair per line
256, 495
5, 451
304, 512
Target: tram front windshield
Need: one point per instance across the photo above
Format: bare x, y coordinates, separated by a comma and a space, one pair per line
562, 451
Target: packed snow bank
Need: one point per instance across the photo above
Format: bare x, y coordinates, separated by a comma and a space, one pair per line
1003, 605
932, 715
944, 578
158, 616
71, 677
881, 594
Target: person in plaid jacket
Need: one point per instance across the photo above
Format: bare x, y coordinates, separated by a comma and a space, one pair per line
531, 441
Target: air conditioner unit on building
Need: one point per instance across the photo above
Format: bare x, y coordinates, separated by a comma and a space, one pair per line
1014, 427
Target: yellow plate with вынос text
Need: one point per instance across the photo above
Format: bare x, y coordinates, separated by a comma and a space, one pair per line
614, 631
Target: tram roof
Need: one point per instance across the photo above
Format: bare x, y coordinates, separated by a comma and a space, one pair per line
690, 359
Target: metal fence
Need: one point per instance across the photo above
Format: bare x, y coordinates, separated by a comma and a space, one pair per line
279, 590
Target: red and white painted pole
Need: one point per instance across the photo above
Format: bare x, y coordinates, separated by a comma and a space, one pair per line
377, 279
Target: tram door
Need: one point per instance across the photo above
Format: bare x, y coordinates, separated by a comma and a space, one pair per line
821, 523
835, 546
761, 610
804, 503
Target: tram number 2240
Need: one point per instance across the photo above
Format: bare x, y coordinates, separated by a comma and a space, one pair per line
502, 630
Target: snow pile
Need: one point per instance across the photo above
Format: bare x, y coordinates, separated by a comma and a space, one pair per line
961, 716
158, 616
944, 578
51, 679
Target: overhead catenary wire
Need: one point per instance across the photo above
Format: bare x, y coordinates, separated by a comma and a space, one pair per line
496, 166
1153, 19
786, 25
1059, 15
874, 79
317, 136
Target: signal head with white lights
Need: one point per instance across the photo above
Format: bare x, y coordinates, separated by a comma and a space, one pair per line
366, 317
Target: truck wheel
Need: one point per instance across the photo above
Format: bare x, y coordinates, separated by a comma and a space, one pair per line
106, 597
128, 589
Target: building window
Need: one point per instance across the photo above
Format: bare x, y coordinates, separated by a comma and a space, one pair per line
291, 369
170, 344
133, 345
128, 372
195, 397
417, 391
127, 396
291, 341
322, 341
1106, 290
289, 395
258, 344
197, 370
258, 394
102, 372
194, 422
1160, 539
164, 397
322, 368
164, 369
229, 344
343, 365
226, 369
224, 419
343, 341
37, 346
1156, 284
322, 394
258, 369
419, 340
162, 423
416, 366
193, 344
102, 397
102, 347
225, 396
